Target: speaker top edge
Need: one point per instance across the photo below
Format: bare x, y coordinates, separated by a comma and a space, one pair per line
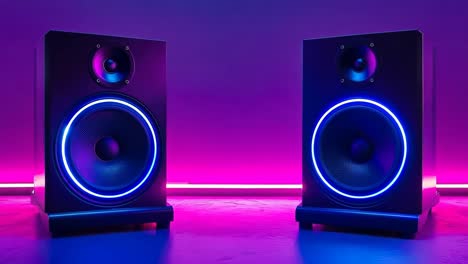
371, 34
84, 34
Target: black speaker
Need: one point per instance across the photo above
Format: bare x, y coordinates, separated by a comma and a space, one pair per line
368, 134
100, 131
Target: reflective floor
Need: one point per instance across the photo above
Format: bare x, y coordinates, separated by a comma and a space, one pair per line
232, 230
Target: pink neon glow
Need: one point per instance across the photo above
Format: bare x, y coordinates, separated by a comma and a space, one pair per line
231, 186
16, 185
453, 186
271, 186
14, 173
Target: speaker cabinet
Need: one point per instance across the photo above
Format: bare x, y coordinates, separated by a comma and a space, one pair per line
368, 132
100, 131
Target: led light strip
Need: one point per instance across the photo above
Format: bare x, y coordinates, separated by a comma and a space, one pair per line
452, 186
16, 185
233, 186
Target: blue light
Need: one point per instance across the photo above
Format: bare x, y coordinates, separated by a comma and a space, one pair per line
104, 212
358, 76
113, 77
381, 107
65, 134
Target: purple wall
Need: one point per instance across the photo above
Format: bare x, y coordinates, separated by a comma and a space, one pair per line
234, 76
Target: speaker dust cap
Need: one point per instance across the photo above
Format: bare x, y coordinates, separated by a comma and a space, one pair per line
112, 66
109, 149
359, 149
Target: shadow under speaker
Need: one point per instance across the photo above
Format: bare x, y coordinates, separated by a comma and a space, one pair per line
368, 135
100, 131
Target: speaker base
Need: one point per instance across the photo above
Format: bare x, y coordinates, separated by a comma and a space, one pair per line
405, 224
64, 223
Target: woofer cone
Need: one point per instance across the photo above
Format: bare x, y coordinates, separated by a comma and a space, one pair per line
109, 149
358, 149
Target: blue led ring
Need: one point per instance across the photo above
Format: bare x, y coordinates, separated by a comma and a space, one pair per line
63, 146
397, 122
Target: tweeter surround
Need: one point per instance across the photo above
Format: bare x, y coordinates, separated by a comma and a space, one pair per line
357, 63
361, 163
109, 148
112, 66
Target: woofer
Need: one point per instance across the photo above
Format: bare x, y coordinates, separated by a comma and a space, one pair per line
358, 148
108, 149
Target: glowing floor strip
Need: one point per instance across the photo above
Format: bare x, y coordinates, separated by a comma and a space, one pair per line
272, 186
231, 186
16, 185
452, 186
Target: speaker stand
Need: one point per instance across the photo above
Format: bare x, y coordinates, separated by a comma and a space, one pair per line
72, 222
393, 222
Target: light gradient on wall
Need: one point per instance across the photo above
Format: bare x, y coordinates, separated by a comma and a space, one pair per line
234, 76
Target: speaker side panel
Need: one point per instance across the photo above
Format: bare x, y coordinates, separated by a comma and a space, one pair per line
429, 81
395, 85
39, 128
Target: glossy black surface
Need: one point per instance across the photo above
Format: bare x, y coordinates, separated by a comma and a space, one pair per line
403, 84
61, 89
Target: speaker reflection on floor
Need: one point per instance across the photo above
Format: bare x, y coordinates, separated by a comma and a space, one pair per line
368, 132
100, 132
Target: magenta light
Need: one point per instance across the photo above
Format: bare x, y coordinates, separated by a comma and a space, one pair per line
272, 186
232, 186
16, 185
453, 186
